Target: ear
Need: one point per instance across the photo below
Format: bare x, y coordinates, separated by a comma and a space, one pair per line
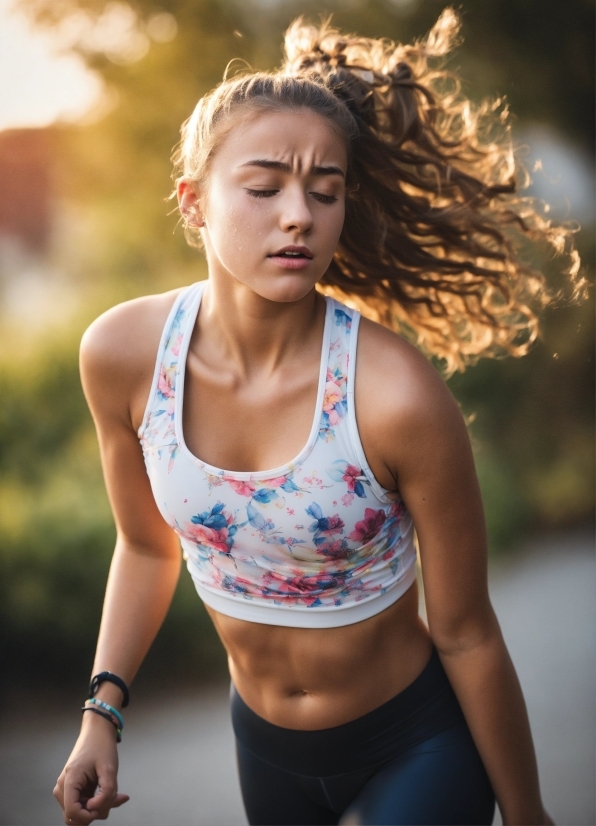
189, 202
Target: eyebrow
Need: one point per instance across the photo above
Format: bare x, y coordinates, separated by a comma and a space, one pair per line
285, 167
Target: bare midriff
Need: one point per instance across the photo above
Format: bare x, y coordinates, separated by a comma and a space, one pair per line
315, 678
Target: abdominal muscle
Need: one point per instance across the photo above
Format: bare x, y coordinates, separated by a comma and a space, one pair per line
315, 678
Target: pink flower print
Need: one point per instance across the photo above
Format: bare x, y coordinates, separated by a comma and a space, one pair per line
241, 487
214, 529
166, 382
324, 527
351, 474
347, 499
334, 525
291, 511
397, 509
336, 549
175, 348
302, 588
218, 540
333, 396
278, 482
342, 471
369, 527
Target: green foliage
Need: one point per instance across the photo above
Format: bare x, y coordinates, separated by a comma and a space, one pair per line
57, 532
533, 418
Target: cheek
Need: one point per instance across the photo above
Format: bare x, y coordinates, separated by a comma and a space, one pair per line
235, 224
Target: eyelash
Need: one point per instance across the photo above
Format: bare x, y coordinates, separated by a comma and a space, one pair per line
269, 193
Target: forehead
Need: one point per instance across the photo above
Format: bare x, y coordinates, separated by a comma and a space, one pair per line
300, 138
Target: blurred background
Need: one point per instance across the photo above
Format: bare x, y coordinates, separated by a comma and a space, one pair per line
92, 95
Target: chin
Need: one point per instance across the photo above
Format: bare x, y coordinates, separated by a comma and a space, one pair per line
285, 289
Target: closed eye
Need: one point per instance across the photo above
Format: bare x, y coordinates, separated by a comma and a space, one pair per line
269, 193
324, 199
262, 193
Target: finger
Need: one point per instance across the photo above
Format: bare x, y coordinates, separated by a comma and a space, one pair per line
117, 801
77, 787
105, 794
79, 817
58, 792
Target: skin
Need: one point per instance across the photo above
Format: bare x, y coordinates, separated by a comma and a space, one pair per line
254, 356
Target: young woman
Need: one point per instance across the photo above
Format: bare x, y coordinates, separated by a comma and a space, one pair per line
292, 447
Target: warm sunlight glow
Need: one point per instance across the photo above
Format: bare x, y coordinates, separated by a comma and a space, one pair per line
37, 84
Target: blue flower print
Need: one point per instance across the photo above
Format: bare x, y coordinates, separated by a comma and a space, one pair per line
343, 320
342, 471
324, 527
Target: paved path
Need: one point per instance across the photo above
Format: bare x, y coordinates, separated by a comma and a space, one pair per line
177, 760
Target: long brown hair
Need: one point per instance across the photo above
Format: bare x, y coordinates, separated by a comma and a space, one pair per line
434, 219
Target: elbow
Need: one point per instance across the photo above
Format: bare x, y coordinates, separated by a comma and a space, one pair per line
465, 634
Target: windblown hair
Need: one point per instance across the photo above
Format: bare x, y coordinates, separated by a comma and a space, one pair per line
434, 226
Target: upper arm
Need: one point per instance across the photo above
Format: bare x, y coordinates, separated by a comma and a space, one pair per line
427, 451
114, 367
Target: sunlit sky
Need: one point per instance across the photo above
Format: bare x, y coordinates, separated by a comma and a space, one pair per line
38, 85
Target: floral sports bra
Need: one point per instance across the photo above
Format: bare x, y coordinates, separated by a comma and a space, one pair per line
316, 543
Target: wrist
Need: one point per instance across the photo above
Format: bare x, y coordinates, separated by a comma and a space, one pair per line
96, 725
526, 816
111, 694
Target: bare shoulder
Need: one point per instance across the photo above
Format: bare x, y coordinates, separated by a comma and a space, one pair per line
121, 335
406, 414
402, 381
118, 351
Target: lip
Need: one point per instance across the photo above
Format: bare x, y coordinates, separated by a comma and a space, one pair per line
292, 248
292, 263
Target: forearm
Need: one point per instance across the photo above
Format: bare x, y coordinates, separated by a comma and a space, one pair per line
490, 695
138, 595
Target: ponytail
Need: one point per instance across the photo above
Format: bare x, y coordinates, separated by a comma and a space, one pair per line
434, 222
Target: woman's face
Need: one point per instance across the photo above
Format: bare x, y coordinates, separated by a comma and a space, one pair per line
274, 203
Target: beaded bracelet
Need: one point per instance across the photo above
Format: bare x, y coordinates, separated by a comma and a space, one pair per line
110, 709
106, 717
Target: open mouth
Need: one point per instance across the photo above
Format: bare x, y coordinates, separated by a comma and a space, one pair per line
290, 255
293, 252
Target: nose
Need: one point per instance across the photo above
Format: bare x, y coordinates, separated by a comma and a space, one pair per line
295, 211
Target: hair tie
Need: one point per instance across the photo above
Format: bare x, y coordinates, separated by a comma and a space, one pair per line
401, 73
365, 74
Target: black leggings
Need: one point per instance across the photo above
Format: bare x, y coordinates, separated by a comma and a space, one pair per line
410, 761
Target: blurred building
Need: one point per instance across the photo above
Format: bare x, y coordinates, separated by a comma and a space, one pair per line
29, 216
25, 188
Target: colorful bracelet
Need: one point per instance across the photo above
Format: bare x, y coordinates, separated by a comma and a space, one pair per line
106, 717
110, 709
107, 676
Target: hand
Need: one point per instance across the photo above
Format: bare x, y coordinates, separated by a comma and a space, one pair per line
87, 787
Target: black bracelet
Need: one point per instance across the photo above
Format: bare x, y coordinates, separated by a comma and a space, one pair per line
106, 717
107, 676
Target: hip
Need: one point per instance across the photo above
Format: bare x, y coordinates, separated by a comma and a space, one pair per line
425, 708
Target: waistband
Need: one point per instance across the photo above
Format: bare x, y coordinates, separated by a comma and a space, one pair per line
423, 709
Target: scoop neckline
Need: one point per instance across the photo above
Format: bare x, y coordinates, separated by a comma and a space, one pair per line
272, 473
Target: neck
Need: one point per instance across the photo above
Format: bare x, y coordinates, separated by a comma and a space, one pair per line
256, 334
